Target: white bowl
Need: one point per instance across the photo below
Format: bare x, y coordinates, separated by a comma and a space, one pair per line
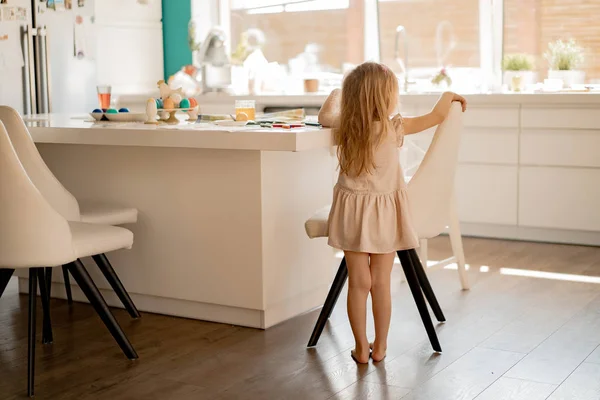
127, 117
97, 116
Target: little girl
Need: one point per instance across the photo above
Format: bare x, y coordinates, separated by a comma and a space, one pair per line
369, 216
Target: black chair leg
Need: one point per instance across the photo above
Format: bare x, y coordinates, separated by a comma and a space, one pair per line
426, 286
334, 293
65, 271
5, 275
43, 280
33, 274
114, 281
413, 283
92, 293
48, 280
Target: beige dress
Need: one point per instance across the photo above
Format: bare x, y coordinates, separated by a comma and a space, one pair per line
370, 213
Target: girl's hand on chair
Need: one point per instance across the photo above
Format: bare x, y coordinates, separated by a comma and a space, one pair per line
461, 100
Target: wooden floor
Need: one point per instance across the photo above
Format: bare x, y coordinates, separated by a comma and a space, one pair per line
510, 337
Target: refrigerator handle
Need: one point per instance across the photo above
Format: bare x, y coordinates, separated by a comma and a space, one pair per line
30, 105
47, 68
41, 67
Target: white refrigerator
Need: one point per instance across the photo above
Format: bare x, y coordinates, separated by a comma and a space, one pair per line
52, 60
42, 72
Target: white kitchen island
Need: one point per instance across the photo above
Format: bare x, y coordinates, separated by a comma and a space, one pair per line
220, 235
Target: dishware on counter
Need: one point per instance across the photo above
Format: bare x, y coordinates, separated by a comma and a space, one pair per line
311, 85
245, 110
120, 115
104, 93
170, 102
127, 117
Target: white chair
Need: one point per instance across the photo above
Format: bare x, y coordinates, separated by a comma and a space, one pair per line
431, 199
453, 229
66, 204
431, 193
34, 235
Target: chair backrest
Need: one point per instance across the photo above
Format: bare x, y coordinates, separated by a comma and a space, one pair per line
32, 232
39, 173
431, 189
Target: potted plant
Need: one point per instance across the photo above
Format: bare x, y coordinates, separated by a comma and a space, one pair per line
518, 71
564, 59
442, 79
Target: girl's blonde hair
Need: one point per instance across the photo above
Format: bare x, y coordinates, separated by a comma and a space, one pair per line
368, 94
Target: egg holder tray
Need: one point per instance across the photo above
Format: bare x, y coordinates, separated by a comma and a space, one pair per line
168, 115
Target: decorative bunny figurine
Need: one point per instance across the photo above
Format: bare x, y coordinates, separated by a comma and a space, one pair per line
166, 91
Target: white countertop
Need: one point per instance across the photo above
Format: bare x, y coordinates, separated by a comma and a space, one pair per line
589, 100
317, 99
78, 129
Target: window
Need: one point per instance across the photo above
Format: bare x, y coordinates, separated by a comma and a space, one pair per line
439, 34
467, 37
530, 25
332, 26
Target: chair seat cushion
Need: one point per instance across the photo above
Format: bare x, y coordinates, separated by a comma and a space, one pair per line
92, 239
316, 226
107, 214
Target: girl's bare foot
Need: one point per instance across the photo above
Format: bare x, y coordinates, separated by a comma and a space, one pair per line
360, 354
377, 353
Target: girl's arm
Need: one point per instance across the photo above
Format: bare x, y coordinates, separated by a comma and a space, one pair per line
330, 112
436, 116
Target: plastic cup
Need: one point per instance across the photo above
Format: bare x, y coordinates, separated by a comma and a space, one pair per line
247, 107
104, 96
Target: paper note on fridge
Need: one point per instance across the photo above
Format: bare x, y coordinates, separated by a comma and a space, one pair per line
11, 54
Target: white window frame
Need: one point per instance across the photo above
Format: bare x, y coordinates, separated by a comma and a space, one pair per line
491, 31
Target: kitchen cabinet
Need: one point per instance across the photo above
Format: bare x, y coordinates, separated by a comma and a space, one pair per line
487, 194
559, 198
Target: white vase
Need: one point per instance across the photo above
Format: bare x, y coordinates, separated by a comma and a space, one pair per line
527, 78
569, 77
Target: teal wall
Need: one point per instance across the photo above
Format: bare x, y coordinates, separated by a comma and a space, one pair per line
176, 16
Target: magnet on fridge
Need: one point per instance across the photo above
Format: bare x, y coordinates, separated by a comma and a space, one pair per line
21, 13
9, 14
3, 1
80, 3
57, 5
68, 4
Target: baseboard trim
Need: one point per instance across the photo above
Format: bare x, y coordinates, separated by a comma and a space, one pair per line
509, 232
259, 319
297, 305
166, 306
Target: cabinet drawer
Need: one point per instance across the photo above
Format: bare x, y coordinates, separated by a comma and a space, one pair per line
561, 198
487, 194
490, 146
577, 148
496, 117
567, 118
